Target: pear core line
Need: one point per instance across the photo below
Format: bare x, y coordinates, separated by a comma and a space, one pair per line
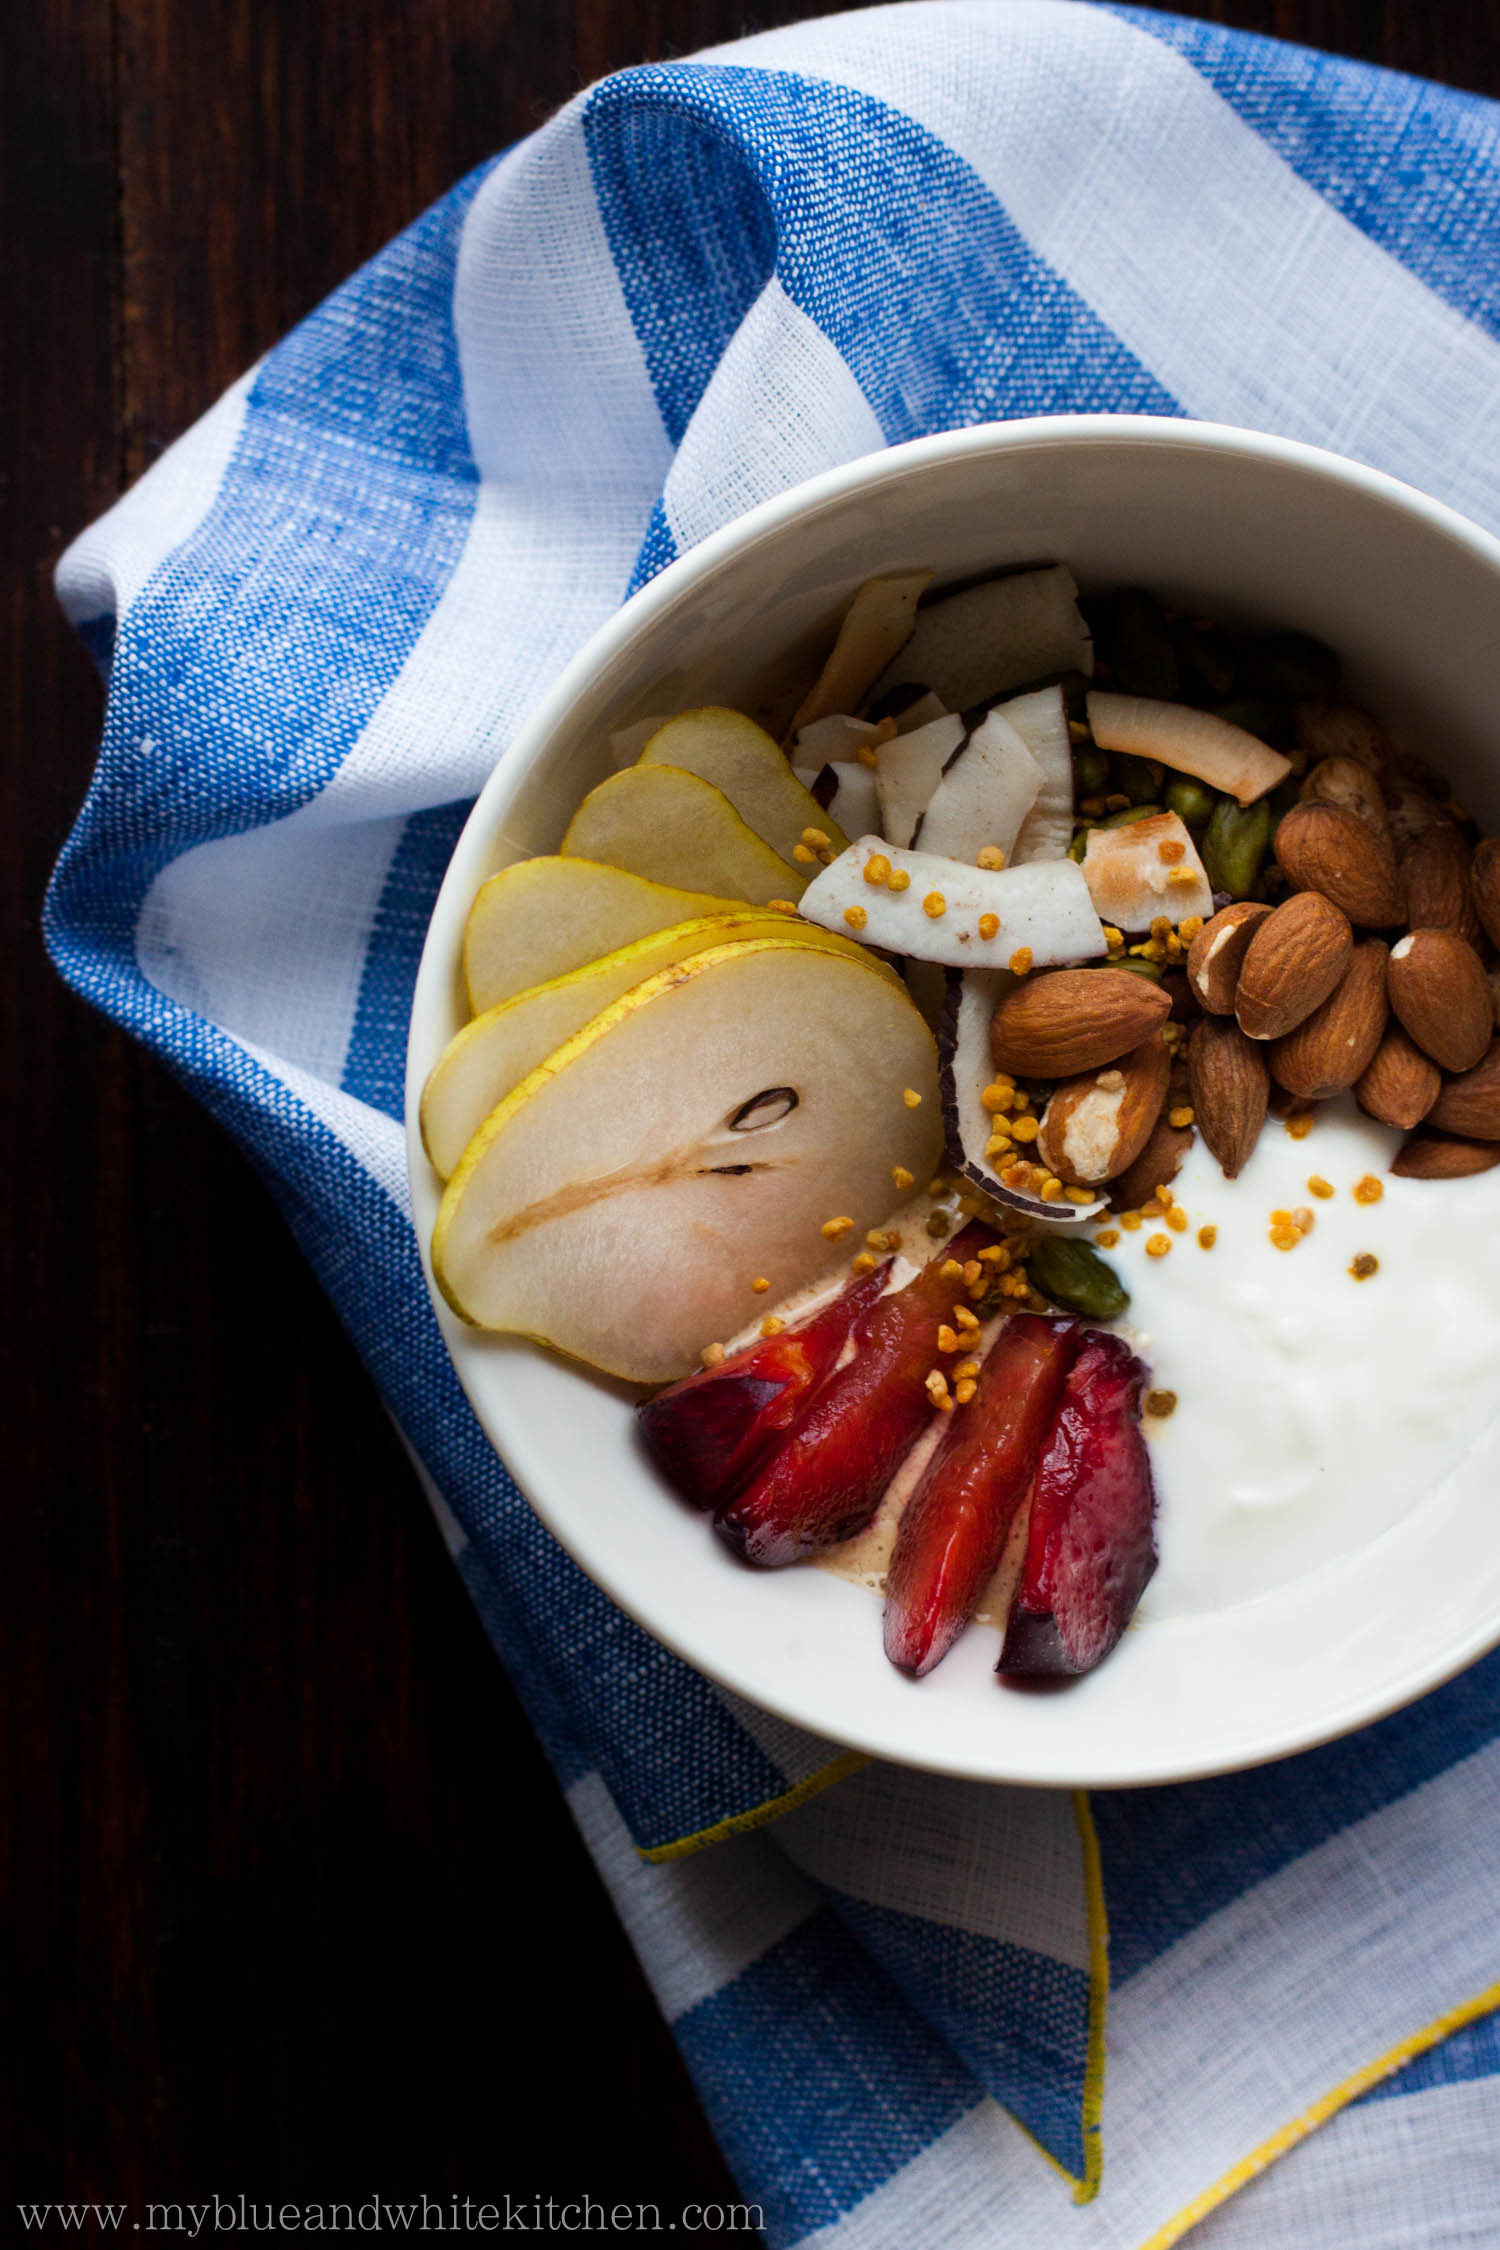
684, 1165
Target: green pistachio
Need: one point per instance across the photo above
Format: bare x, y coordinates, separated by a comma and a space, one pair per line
1073, 1275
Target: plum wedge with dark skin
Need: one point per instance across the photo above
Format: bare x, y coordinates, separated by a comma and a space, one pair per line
1089, 1547
955, 1526
825, 1481
709, 1433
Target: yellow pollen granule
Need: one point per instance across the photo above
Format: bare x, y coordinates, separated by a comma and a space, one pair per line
934, 906
1114, 802
1157, 1245
1014, 1285
947, 1341
951, 1270
1187, 930
989, 926
1181, 1117
771, 1326
1207, 1237
1113, 938
1284, 1238
819, 838
901, 1178
939, 1225
866, 754
1165, 1197
1023, 1099
1051, 1189
964, 1390
938, 1186
1080, 1195
884, 1238
1363, 1266
900, 880
1159, 1404
1153, 1207
1077, 731
1302, 1219
965, 1317
1107, 1237
1020, 961
1130, 1220
912, 1098
877, 869
937, 1390
1171, 850
1299, 1124
973, 1273
804, 855
1319, 1187
966, 1370
760, 1285
833, 1229
995, 1254
864, 1263
1282, 1219
1024, 1128
1161, 925
1177, 1219
1368, 1190
1185, 878
997, 1144
782, 905
856, 917
712, 1355
1001, 1095
992, 857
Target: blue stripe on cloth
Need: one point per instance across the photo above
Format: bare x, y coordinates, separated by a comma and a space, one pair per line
1469, 2053
98, 637
819, 2079
1172, 1857
658, 548
1018, 2019
883, 237
375, 1067
1416, 167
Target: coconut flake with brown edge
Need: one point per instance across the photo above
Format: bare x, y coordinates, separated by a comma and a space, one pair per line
988, 787
1150, 868
964, 1071
1189, 741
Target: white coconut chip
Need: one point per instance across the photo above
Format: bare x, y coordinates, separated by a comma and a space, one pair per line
834, 740
992, 638
1041, 720
989, 785
1189, 741
964, 1070
846, 791
1043, 910
1147, 868
908, 770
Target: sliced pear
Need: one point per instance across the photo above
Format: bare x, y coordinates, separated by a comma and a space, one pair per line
877, 624
694, 1137
491, 1055
542, 917
673, 827
740, 758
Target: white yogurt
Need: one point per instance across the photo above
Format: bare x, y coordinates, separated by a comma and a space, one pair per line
1314, 1410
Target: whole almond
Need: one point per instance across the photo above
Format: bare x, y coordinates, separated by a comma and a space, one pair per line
1293, 961
1435, 869
1484, 885
1158, 1165
1231, 1086
1411, 811
1097, 1123
1214, 957
1337, 1043
1492, 979
1437, 1156
1440, 995
1074, 1020
1400, 1084
1470, 1103
1327, 848
1340, 730
1344, 781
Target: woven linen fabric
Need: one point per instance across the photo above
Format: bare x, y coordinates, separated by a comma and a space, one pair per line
917, 2011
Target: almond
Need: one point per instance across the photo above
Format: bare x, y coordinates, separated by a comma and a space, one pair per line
1339, 730
1492, 979
1439, 992
1337, 1043
1344, 781
1435, 869
1231, 1087
1158, 1164
1293, 961
1437, 1156
1327, 848
1214, 957
1484, 885
1097, 1124
1470, 1103
1074, 1020
1411, 811
1400, 1085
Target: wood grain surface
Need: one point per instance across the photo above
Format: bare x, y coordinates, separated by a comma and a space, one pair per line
293, 1906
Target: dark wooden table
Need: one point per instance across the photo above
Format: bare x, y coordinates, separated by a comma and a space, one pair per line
282, 1857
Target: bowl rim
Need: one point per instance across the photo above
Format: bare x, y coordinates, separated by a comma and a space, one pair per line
638, 615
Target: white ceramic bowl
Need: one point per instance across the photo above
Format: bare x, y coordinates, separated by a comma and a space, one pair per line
1226, 522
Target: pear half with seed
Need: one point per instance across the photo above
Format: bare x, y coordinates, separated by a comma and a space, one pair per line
673, 827
491, 1055
737, 756
692, 1138
542, 917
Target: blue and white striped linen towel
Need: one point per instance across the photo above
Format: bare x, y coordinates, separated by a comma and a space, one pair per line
323, 614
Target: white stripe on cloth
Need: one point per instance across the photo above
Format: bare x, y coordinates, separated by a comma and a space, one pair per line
1264, 2010
780, 406
1245, 293
697, 1922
